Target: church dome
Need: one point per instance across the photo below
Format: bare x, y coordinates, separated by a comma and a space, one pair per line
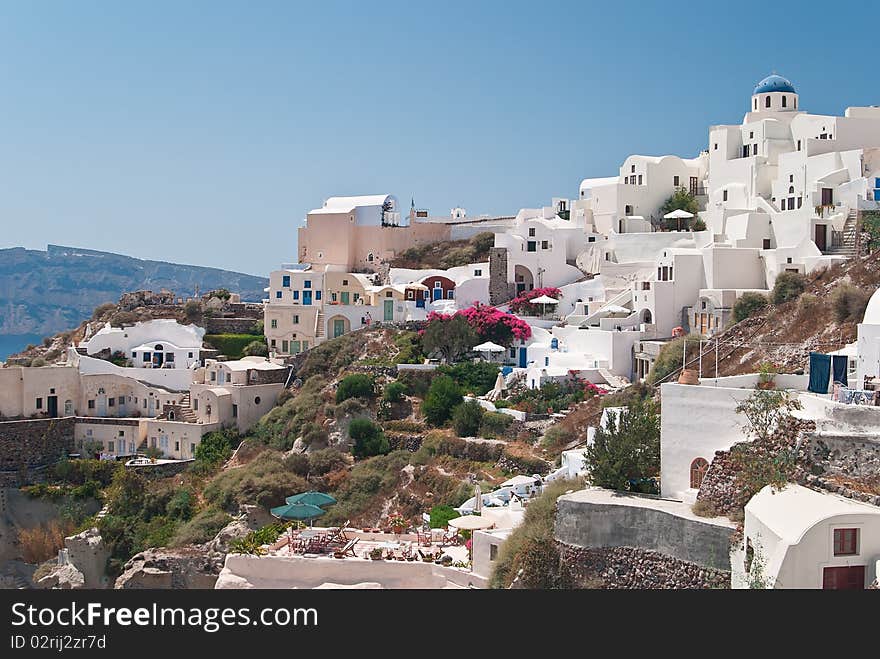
774, 83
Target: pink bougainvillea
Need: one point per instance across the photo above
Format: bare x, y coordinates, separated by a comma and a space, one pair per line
490, 324
522, 305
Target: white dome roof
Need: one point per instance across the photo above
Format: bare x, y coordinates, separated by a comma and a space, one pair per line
872, 311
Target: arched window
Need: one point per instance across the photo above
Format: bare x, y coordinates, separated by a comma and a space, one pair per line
370, 257
158, 347
648, 317
767, 101
698, 470
791, 189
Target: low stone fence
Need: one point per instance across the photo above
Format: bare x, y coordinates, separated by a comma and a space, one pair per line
161, 470
633, 568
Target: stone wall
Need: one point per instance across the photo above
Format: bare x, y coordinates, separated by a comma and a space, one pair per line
500, 290
218, 325
30, 444
633, 568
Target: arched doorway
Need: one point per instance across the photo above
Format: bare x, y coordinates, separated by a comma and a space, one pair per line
647, 318
525, 281
699, 467
338, 325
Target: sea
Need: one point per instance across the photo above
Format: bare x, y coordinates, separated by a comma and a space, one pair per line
13, 343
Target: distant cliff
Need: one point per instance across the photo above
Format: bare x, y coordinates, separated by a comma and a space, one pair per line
48, 292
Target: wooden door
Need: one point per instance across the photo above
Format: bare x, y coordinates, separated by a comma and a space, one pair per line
844, 578
820, 237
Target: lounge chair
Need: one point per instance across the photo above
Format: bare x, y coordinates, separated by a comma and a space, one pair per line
347, 549
450, 537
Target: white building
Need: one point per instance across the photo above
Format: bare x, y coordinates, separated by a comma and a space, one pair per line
801, 538
163, 343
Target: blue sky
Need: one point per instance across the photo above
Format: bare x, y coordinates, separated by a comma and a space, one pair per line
203, 132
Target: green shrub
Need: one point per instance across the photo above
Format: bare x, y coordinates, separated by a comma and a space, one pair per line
410, 346
473, 377
747, 305
495, 424
417, 382
442, 397
368, 438
122, 318
314, 435
849, 303
264, 481
698, 225
788, 286
326, 460
531, 547
467, 417
284, 423
358, 385
201, 528
231, 345
215, 449
182, 505
808, 304
440, 516
394, 392
669, 358
38, 362
102, 310
256, 349
350, 407
192, 310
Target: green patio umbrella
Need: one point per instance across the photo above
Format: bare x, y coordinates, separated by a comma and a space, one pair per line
312, 498
298, 511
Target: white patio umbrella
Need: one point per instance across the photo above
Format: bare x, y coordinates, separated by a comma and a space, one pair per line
543, 300
471, 523
679, 215
488, 347
614, 308
478, 504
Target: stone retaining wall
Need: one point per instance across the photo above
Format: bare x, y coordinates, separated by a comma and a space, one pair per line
218, 325
31, 443
632, 568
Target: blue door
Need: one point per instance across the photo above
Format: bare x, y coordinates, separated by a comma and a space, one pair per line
522, 358
307, 297
438, 294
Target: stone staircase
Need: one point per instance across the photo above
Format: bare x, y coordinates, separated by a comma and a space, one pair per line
849, 244
182, 411
319, 326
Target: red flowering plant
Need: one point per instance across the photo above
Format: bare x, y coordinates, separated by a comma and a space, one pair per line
489, 323
523, 306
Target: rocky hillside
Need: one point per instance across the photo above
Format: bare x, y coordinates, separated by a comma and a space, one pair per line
824, 318
447, 254
48, 292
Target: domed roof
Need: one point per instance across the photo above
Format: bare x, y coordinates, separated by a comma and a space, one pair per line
774, 83
872, 311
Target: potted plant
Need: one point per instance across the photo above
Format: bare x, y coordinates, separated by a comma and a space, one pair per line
766, 376
398, 524
376, 554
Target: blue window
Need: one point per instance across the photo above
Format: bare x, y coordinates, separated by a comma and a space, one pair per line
285, 281
278, 294
317, 295
307, 283
296, 295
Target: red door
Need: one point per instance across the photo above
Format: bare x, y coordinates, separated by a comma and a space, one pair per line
844, 578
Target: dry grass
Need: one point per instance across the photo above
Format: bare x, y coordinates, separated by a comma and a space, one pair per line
40, 543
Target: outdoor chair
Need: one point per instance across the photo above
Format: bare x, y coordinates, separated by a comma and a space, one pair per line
450, 538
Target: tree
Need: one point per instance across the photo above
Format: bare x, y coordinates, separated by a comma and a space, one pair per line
451, 336
747, 305
490, 324
387, 207
256, 349
521, 303
849, 303
467, 417
216, 447
627, 450
192, 310
683, 200
442, 397
788, 286
358, 385
440, 516
764, 410
368, 438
